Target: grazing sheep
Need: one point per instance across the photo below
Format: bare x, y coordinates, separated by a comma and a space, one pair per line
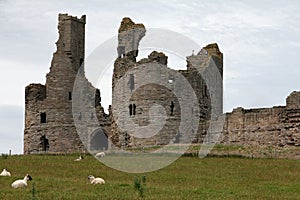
5, 173
100, 154
21, 183
79, 159
96, 180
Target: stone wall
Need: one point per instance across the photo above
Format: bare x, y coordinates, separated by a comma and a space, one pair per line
49, 123
150, 100
277, 126
147, 96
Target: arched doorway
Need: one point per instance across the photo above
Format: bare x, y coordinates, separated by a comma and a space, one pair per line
44, 143
98, 140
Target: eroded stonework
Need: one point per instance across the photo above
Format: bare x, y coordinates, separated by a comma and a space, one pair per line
49, 121
278, 126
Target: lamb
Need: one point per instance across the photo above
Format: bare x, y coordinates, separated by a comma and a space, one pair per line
100, 154
94, 180
5, 173
79, 159
21, 183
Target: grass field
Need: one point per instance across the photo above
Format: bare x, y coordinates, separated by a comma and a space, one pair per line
59, 177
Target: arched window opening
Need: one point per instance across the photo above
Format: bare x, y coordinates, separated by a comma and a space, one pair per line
44, 143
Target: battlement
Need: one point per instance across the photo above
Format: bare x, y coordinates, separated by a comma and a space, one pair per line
66, 16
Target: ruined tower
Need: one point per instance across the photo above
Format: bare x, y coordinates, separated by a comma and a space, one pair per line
147, 93
49, 124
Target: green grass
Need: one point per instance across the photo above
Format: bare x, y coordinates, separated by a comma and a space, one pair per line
59, 177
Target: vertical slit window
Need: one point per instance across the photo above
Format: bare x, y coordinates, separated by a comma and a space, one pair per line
130, 109
133, 109
43, 117
172, 107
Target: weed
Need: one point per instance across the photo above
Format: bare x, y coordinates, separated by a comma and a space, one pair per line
33, 192
139, 185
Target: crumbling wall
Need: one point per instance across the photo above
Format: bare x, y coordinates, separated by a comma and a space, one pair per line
50, 120
49, 123
133, 101
277, 126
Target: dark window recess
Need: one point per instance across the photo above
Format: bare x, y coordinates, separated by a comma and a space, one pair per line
131, 81
80, 61
70, 96
44, 143
133, 109
97, 98
205, 91
43, 117
130, 109
172, 107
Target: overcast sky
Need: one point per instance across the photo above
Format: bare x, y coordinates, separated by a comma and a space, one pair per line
260, 41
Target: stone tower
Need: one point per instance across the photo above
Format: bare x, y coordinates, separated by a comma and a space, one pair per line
49, 124
136, 96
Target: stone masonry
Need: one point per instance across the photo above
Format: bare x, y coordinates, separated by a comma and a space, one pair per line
277, 127
149, 84
49, 124
145, 92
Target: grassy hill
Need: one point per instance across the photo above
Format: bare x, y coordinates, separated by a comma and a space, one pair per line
59, 177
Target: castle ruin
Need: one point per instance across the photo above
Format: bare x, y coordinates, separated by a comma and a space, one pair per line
50, 122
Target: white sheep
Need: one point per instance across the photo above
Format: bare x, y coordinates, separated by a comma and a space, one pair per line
79, 159
5, 173
94, 180
21, 183
100, 154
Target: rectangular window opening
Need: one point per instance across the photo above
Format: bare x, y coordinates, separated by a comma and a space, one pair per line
43, 117
70, 96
